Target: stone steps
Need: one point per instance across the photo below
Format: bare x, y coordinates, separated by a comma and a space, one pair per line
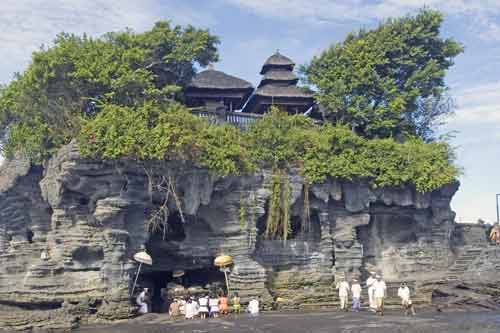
463, 262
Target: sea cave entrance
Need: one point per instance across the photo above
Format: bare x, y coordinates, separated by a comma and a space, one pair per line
164, 287
183, 262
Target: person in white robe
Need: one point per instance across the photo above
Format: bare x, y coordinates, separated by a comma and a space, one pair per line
406, 303
253, 307
380, 294
203, 301
371, 289
356, 295
343, 288
213, 303
141, 301
190, 309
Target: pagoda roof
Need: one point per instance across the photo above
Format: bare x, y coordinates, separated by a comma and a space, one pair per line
213, 79
291, 91
278, 75
277, 60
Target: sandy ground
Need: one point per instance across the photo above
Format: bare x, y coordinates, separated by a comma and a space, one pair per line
314, 322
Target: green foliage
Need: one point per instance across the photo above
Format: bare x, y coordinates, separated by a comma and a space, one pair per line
243, 212
119, 96
322, 151
278, 214
306, 211
150, 132
277, 140
79, 75
385, 82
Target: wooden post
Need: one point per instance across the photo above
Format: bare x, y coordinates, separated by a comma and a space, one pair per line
227, 281
136, 277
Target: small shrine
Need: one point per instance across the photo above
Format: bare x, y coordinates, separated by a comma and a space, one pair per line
279, 87
213, 89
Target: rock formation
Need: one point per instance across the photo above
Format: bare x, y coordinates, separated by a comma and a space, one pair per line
68, 232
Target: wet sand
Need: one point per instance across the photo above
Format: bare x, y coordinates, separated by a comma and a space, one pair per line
314, 322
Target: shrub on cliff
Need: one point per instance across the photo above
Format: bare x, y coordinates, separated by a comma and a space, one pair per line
42, 108
282, 141
278, 140
119, 95
387, 82
171, 132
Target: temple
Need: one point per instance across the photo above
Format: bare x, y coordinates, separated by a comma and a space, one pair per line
211, 89
279, 87
214, 90
71, 229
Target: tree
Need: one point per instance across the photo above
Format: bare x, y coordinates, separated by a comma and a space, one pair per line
388, 81
42, 108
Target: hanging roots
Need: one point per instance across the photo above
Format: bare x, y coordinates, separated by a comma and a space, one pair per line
165, 185
243, 212
278, 217
306, 212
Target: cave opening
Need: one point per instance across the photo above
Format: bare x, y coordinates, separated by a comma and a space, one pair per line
164, 287
175, 231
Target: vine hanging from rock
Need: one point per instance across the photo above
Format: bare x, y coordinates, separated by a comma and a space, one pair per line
243, 212
306, 212
164, 185
278, 216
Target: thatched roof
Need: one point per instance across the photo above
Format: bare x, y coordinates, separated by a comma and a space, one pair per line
277, 75
277, 60
213, 79
271, 90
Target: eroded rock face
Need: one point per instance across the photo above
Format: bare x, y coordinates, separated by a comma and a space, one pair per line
68, 233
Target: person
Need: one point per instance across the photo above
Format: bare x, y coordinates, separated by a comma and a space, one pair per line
141, 300
495, 234
380, 293
45, 254
370, 284
356, 295
190, 309
236, 303
173, 309
203, 301
196, 306
165, 306
343, 288
223, 304
182, 306
213, 303
406, 303
253, 307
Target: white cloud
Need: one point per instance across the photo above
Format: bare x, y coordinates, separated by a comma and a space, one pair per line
478, 104
478, 123
320, 11
27, 24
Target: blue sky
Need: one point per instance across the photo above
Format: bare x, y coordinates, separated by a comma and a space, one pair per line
251, 30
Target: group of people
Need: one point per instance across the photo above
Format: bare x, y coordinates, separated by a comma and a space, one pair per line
206, 306
377, 292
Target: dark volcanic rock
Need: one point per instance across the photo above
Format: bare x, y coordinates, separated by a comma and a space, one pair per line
68, 234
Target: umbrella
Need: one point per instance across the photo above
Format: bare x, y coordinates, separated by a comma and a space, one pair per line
141, 257
223, 261
178, 273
